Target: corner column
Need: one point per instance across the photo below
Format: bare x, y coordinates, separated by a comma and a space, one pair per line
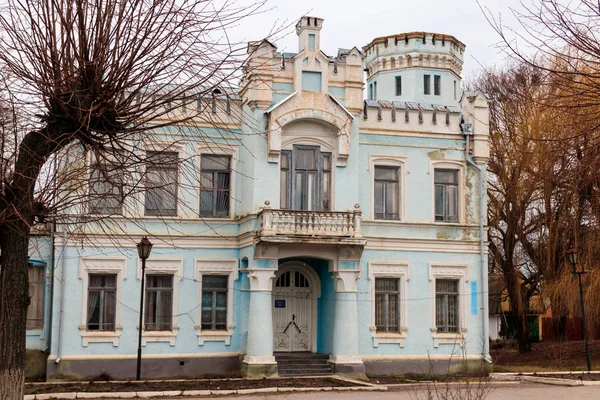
259, 360
345, 356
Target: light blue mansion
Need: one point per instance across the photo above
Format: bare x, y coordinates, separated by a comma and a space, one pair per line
344, 232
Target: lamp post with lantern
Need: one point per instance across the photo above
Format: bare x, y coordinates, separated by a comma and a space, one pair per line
144, 247
572, 258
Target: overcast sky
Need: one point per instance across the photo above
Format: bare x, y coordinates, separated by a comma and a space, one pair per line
351, 23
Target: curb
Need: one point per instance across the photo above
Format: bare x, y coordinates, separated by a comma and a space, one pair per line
520, 377
172, 393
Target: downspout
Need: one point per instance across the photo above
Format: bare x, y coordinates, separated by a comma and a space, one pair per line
50, 299
62, 299
484, 283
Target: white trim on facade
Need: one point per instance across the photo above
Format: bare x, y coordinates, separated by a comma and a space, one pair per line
460, 167
225, 150
164, 266
390, 161
227, 267
450, 271
101, 265
385, 269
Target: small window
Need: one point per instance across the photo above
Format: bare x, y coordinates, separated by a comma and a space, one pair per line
158, 308
284, 179
446, 305
427, 84
311, 41
437, 85
102, 302
311, 81
35, 312
215, 182
398, 86
454, 90
161, 183
106, 190
387, 304
446, 195
375, 91
214, 302
370, 91
387, 192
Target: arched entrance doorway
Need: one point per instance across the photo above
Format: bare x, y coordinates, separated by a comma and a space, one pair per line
295, 291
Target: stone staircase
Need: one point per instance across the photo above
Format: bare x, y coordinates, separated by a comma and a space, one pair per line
297, 364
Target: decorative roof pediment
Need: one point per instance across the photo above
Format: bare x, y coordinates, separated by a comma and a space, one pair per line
309, 106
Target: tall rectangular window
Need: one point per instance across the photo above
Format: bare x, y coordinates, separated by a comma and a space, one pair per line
370, 91
215, 182
214, 302
446, 305
454, 90
427, 84
35, 312
161, 183
102, 302
106, 190
387, 190
305, 179
311, 41
446, 195
398, 86
158, 308
387, 304
437, 85
374, 90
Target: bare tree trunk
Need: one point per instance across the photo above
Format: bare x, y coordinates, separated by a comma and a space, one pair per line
14, 300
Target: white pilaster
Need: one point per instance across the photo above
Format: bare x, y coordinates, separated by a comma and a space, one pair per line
260, 322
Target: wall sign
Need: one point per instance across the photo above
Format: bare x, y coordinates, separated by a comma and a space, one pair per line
279, 303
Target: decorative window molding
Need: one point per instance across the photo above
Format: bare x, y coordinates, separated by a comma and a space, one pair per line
384, 269
220, 266
164, 266
390, 161
460, 273
101, 265
225, 150
449, 165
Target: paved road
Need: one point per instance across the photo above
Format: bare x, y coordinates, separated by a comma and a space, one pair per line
499, 392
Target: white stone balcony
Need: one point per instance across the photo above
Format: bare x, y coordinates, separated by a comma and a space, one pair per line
316, 224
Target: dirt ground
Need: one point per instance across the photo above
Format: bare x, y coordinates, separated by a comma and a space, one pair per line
544, 356
215, 384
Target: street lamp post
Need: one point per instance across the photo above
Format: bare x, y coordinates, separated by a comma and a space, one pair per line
572, 257
144, 247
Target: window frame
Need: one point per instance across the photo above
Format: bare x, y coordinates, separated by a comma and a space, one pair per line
446, 306
101, 265
386, 310
102, 294
395, 270
398, 85
163, 266
457, 272
386, 181
98, 166
159, 290
399, 162
177, 182
42, 301
437, 85
427, 84
459, 166
215, 189
222, 267
218, 150
214, 291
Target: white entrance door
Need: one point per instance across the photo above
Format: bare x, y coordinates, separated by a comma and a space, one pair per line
292, 312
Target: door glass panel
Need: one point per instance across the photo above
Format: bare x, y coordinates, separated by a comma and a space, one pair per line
298, 191
311, 195
306, 159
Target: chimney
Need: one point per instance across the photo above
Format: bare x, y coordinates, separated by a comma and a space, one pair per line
308, 30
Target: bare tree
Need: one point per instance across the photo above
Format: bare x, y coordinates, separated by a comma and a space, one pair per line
92, 78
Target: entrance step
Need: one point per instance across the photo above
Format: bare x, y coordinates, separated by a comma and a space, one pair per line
297, 364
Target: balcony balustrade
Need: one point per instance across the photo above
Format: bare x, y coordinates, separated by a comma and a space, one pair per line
310, 223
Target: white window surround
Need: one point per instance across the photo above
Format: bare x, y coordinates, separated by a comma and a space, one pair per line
460, 167
389, 161
460, 273
219, 266
163, 266
324, 144
389, 269
218, 149
170, 147
101, 265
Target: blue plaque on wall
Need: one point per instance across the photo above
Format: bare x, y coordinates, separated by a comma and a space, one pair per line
279, 303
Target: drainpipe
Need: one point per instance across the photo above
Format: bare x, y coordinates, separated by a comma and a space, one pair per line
62, 299
50, 299
468, 131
